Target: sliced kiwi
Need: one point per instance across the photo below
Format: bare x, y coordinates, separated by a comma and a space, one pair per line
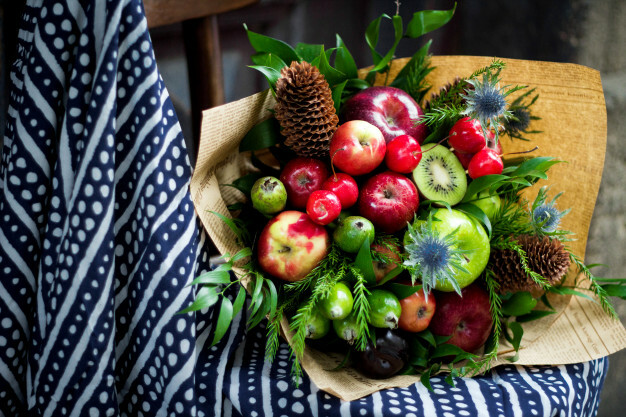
440, 175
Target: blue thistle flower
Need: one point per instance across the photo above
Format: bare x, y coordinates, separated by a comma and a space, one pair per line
432, 257
545, 217
486, 100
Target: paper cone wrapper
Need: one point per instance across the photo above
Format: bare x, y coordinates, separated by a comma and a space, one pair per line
573, 124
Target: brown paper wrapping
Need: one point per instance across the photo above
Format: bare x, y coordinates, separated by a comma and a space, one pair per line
573, 121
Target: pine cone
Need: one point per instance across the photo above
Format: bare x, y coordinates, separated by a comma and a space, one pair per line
546, 257
305, 109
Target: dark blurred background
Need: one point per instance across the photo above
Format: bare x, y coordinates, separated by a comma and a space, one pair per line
586, 32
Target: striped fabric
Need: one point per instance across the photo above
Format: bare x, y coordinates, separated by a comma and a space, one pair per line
98, 239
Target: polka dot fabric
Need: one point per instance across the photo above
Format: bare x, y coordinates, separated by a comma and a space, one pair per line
99, 239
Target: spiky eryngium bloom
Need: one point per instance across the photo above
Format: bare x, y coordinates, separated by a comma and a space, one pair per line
544, 216
486, 101
521, 116
432, 257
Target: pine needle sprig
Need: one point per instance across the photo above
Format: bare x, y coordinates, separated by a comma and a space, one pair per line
273, 335
509, 243
594, 286
361, 308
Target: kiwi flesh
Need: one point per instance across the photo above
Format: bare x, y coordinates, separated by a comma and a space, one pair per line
440, 175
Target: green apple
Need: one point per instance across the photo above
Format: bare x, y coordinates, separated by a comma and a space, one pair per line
488, 203
470, 236
352, 232
268, 195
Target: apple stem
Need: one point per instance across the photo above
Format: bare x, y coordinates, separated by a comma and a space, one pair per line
520, 152
332, 166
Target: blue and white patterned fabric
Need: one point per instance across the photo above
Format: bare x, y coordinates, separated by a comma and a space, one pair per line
98, 240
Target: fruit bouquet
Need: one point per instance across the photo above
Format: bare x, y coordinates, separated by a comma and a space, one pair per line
396, 221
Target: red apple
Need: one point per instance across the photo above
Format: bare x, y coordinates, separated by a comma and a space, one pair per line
302, 176
465, 317
344, 187
381, 269
403, 155
390, 109
389, 200
323, 207
357, 147
291, 245
417, 312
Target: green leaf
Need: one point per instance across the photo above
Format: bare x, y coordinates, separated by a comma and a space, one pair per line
401, 79
534, 315
243, 253
371, 37
273, 297
615, 290
344, 61
403, 291
519, 304
516, 340
223, 320
476, 212
428, 336
245, 183
261, 136
571, 291
205, 298
396, 20
540, 163
446, 349
357, 84
267, 59
428, 20
214, 277
337, 93
363, 261
262, 43
239, 301
332, 75
483, 183
308, 51
271, 74
391, 275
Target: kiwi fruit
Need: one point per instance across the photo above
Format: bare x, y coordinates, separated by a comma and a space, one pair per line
440, 175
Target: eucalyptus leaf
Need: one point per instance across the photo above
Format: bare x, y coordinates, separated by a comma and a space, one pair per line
363, 261
261, 136
426, 21
519, 304
223, 320
262, 43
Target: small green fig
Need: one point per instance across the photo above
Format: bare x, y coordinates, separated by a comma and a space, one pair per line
385, 309
317, 326
268, 195
352, 232
338, 304
346, 328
